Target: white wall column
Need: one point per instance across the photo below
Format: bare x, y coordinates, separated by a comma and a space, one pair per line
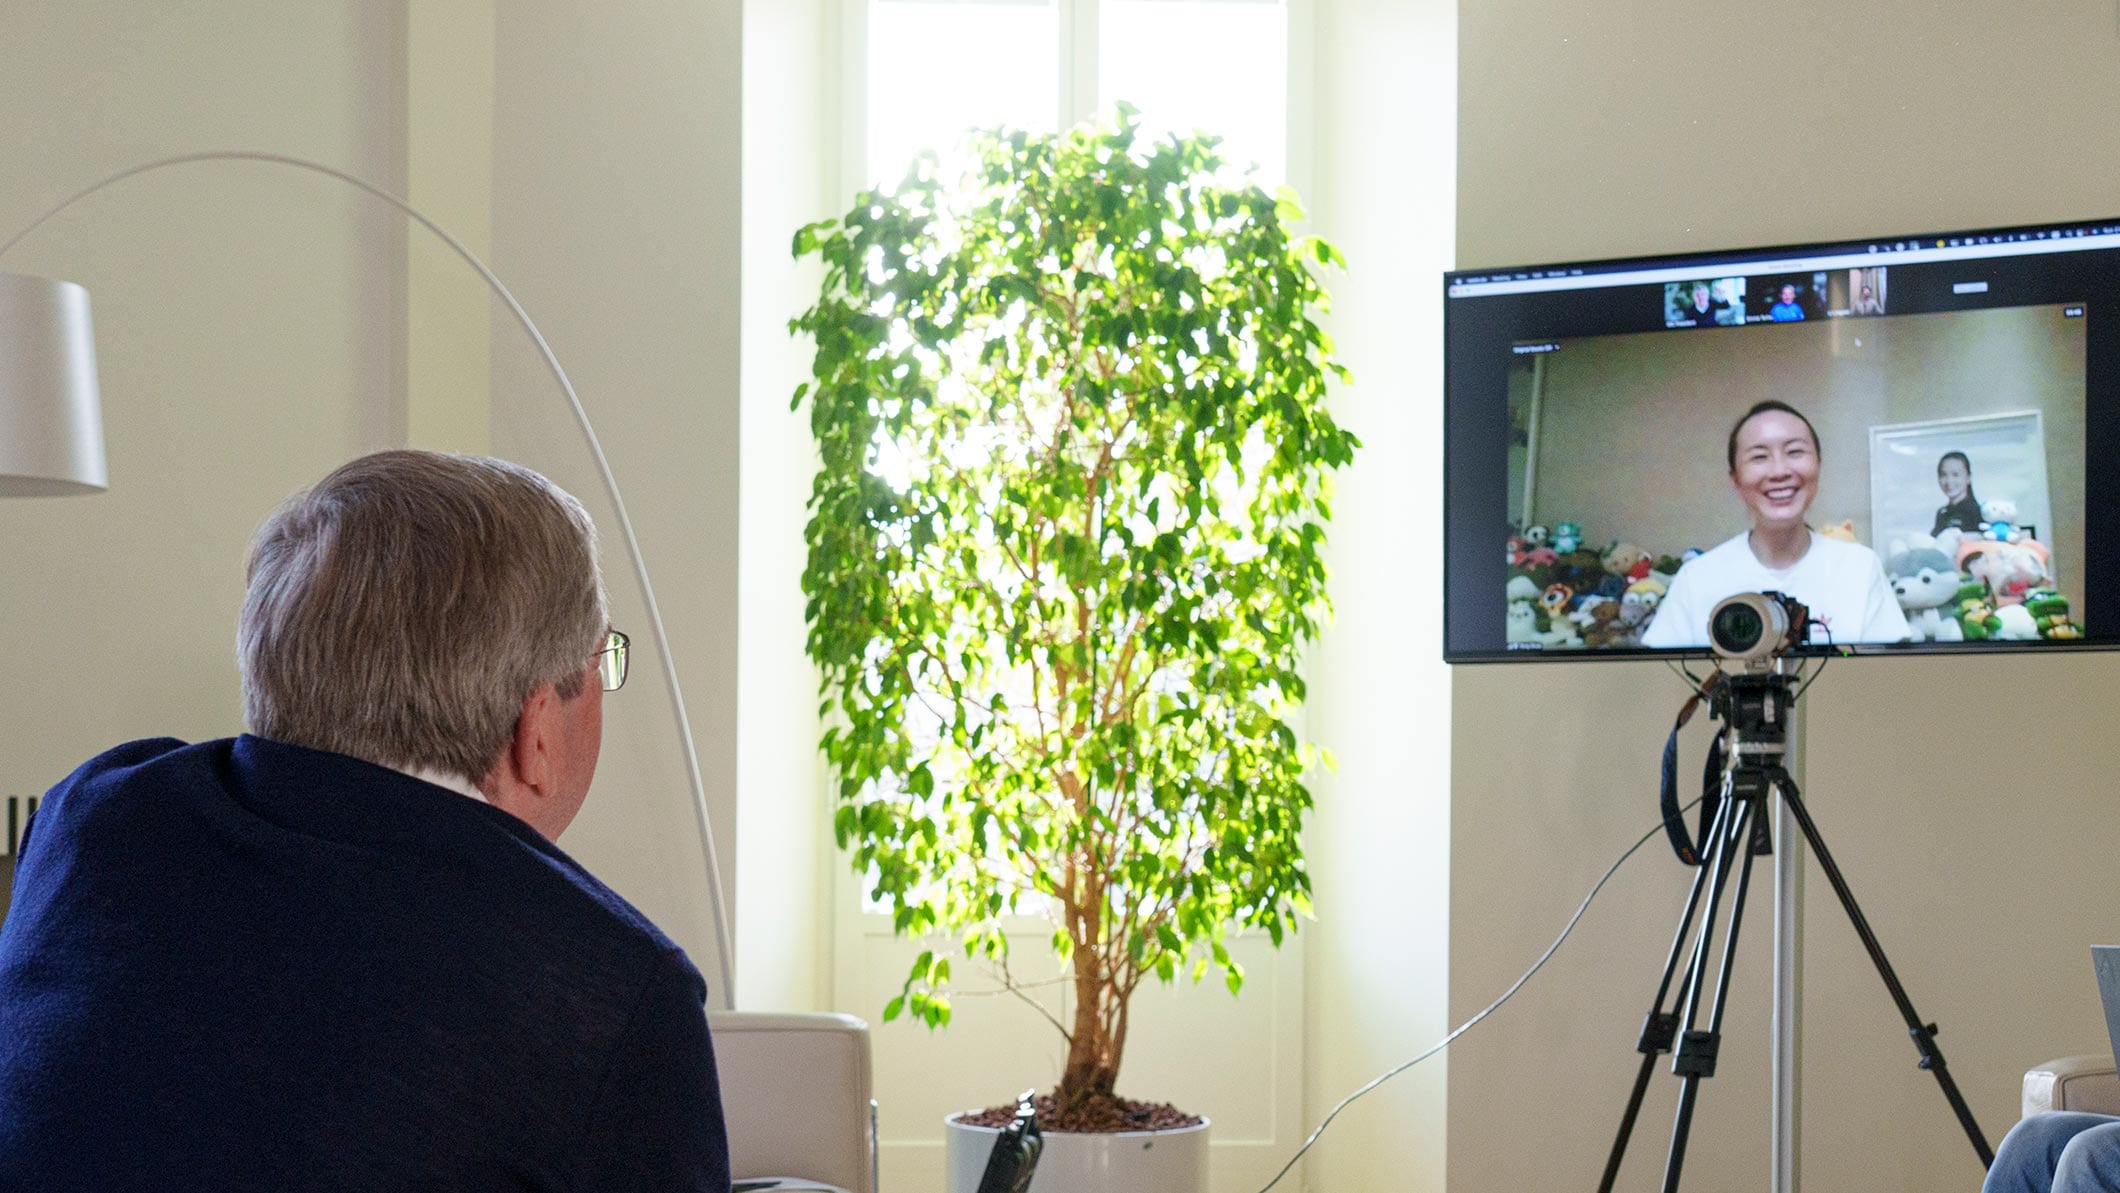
783, 807
1378, 844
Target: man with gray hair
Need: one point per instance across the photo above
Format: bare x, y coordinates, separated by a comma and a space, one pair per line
343, 951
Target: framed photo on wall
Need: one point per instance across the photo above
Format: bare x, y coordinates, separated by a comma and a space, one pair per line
2000, 456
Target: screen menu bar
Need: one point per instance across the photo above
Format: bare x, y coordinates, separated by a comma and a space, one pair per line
1948, 247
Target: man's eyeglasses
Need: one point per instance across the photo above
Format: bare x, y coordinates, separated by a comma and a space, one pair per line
611, 661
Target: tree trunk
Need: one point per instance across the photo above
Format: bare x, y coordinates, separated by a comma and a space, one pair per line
1093, 1056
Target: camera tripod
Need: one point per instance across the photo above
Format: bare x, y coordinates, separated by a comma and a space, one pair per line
1755, 710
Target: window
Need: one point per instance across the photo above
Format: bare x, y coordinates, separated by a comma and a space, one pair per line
936, 68
933, 68
1219, 66
923, 72
915, 75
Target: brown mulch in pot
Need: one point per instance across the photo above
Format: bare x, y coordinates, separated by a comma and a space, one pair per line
1095, 1117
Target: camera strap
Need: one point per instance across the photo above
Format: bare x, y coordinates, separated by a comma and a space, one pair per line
1688, 846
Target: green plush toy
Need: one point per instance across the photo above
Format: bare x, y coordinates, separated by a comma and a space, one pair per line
2049, 610
1974, 616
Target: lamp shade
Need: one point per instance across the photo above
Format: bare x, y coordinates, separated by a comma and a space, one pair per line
51, 415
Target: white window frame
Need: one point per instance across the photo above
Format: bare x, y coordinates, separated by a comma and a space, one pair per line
1079, 22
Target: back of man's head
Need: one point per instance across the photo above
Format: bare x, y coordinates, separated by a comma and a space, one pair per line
403, 609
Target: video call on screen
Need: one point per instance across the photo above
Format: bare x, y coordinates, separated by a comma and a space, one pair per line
1946, 400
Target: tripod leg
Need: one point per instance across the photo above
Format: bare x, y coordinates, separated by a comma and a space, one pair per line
1697, 1049
1924, 1034
1660, 1028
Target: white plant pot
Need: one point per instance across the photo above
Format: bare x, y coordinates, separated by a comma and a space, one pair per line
1173, 1161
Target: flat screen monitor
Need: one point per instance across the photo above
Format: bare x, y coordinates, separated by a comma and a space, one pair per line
1913, 436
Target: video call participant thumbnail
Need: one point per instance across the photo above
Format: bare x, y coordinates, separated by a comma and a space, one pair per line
1773, 458
1787, 309
1703, 311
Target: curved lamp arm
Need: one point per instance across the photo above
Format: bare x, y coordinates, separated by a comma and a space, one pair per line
722, 993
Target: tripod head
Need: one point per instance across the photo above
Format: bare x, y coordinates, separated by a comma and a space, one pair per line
1754, 710
1751, 633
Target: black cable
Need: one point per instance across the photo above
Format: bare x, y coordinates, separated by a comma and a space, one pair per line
1678, 666
1491, 1007
1822, 661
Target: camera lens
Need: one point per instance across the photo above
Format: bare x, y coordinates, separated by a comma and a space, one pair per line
1737, 628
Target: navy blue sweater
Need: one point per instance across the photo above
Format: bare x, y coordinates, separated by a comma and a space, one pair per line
245, 965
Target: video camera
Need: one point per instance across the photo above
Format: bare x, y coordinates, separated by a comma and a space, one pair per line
1754, 629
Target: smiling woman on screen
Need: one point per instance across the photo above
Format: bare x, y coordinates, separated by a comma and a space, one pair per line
1773, 457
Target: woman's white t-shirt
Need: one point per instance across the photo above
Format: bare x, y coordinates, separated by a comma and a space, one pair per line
1842, 583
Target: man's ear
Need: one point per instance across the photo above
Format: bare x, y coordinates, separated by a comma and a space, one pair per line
529, 755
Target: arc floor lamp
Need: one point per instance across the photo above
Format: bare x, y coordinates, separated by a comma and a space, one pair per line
51, 435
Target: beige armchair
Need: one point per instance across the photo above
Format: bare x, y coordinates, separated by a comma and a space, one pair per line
2073, 1083
795, 1093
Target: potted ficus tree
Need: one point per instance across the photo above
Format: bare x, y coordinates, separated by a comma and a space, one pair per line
1064, 556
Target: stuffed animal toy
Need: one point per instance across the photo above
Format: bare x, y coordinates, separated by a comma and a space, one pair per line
1536, 536
1561, 634
1925, 583
2049, 610
1586, 608
2010, 570
1637, 607
1523, 588
1517, 547
1999, 521
1626, 559
2014, 623
1567, 537
1843, 530
1555, 599
1975, 617
1539, 557
1604, 630
1666, 565
1522, 626
1580, 571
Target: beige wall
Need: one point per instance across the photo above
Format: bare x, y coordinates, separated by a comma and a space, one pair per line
1618, 410
252, 334
246, 324
1979, 844
616, 202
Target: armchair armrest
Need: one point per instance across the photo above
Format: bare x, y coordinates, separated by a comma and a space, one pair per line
796, 1097
2087, 1083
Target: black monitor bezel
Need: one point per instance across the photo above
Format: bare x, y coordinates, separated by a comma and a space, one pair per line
2101, 424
